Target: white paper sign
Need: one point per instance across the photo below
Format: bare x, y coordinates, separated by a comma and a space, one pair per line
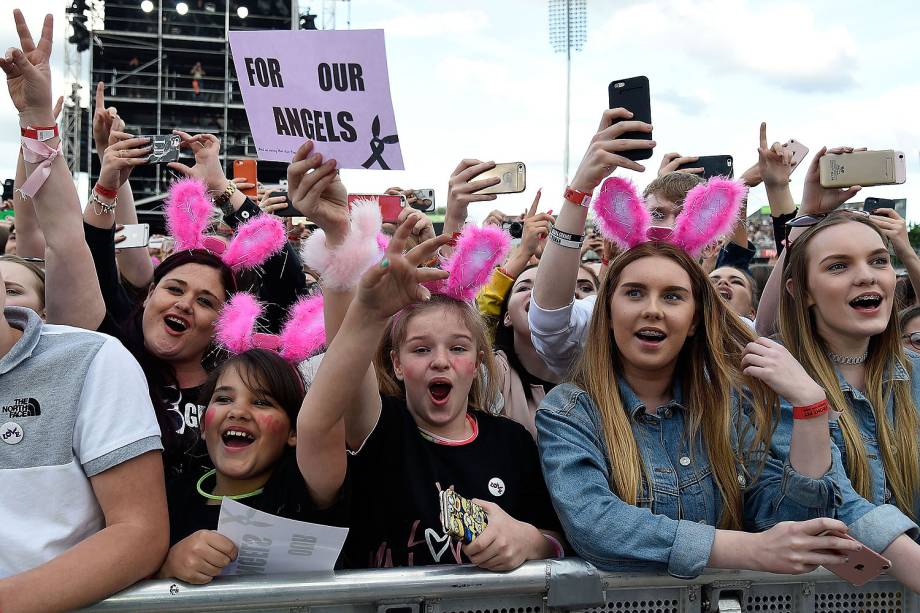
269, 544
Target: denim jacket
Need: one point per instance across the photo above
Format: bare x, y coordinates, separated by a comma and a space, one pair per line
874, 522
673, 526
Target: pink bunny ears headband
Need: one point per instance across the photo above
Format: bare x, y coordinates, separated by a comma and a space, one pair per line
302, 335
188, 212
710, 210
477, 253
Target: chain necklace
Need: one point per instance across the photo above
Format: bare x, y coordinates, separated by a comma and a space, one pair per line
849, 360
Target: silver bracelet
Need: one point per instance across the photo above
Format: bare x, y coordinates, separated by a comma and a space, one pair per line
100, 207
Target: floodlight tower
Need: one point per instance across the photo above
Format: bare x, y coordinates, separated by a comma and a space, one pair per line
568, 29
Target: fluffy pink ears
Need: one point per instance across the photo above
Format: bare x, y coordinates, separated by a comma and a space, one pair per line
710, 210
188, 212
301, 337
477, 253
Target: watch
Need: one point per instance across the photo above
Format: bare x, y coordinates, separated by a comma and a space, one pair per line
223, 199
576, 197
41, 133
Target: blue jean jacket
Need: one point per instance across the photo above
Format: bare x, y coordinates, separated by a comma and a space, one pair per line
874, 522
673, 526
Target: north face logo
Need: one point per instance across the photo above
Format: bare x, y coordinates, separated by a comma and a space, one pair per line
23, 407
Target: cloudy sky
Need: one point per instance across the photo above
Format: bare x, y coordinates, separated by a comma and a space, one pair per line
482, 81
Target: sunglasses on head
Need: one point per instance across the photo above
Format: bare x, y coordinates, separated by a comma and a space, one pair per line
806, 221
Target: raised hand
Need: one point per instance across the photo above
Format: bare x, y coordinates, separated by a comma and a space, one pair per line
603, 154
102, 121
774, 161
316, 190
28, 72
536, 228
268, 204
817, 199
207, 168
461, 189
395, 282
121, 157
671, 161
770, 362
895, 228
423, 229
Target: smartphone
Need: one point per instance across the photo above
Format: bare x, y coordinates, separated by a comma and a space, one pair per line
863, 168
8, 189
873, 204
633, 94
246, 169
513, 177
713, 166
165, 148
390, 206
862, 567
460, 518
424, 200
799, 151
289, 210
136, 235
514, 227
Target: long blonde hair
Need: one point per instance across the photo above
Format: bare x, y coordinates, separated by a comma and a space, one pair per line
710, 365
898, 440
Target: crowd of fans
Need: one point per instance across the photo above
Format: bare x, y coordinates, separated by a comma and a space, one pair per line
635, 398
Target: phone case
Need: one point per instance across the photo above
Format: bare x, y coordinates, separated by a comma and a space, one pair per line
873, 204
513, 177
799, 151
863, 168
862, 567
136, 235
390, 206
424, 200
713, 166
461, 519
247, 169
165, 148
634, 95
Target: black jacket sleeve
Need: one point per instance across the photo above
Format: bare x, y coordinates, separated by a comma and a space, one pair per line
282, 280
118, 303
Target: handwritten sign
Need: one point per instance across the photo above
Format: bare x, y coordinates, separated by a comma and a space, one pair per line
269, 544
331, 86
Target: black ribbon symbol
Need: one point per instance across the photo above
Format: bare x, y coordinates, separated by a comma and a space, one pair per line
377, 145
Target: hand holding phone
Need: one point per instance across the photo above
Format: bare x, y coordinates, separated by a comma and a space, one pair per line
862, 565
165, 148
712, 165
132, 236
863, 168
512, 175
247, 170
390, 206
870, 205
278, 203
799, 151
462, 519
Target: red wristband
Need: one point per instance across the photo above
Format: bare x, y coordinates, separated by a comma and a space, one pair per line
813, 410
577, 197
40, 133
105, 192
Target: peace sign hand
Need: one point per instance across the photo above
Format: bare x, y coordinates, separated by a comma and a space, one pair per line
28, 73
396, 282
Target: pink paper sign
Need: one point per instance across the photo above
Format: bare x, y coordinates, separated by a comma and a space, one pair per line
330, 86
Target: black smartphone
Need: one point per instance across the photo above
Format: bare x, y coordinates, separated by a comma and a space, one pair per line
165, 148
713, 166
872, 204
8, 189
633, 95
289, 210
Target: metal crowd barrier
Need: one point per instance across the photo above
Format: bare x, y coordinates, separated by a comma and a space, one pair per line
536, 587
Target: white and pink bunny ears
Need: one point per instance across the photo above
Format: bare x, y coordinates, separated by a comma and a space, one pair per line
302, 335
477, 253
188, 212
710, 210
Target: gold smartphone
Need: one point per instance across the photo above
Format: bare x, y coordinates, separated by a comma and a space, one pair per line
863, 168
513, 177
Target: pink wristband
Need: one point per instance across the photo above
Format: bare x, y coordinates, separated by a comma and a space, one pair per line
559, 553
37, 152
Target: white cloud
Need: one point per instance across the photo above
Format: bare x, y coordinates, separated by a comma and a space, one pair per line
780, 43
435, 25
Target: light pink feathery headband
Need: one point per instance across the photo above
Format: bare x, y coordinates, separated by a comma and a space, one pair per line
710, 210
188, 212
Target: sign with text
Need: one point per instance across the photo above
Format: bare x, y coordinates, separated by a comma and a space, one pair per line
330, 86
269, 544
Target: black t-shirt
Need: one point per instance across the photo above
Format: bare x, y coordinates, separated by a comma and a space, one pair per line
185, 452
285, 495
396, 478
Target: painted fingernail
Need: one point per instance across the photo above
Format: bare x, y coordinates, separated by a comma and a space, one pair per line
385, 263
550, 212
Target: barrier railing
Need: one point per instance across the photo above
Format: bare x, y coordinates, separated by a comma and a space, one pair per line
536, 587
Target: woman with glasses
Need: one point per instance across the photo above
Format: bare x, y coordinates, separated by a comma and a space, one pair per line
910, 328
836, 298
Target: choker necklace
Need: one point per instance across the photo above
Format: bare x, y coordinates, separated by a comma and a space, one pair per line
849, 360
213, 497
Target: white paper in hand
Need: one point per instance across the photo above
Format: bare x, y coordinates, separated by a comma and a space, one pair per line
269, 544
